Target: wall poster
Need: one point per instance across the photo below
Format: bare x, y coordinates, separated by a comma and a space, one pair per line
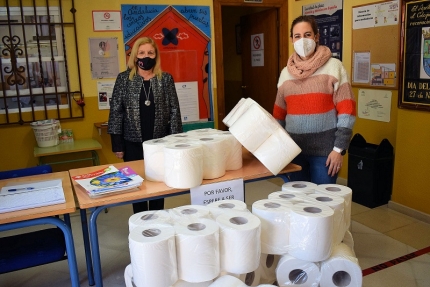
183, 37
415, 56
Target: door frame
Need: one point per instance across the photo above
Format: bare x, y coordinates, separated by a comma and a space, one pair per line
282, 7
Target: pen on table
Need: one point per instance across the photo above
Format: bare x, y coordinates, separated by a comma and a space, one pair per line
18, 189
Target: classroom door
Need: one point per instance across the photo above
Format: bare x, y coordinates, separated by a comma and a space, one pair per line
260, 55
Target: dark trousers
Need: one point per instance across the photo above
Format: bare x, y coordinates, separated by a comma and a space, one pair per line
134, 151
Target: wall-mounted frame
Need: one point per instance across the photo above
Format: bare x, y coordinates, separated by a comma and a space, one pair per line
414, 92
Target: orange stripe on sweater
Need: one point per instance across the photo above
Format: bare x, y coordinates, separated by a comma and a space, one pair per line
279, 113
313, 103
346, 107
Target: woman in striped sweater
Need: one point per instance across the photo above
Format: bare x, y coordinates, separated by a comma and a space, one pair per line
315, 104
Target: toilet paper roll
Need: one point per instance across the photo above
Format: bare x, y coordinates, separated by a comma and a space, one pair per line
148, 217
180, 137
203, 132
339, 190
227, 205
213, 156
292, 271
153, 255
183, 165
182, 283
250, 279
349, 240
267, 267
311, 231
341, 269
237, 111
128, 276
274, 215
233, 152
336, 203
277, 151
197, 249
227, 281
266, 285
153, 151
300, 186
254, 127
290, 196
240, 245
189, 212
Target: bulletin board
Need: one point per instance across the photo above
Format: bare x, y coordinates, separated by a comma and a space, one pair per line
381, 43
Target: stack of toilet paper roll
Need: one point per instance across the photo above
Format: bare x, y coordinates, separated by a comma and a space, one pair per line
148, 217
227, 205
305, 187
261, 134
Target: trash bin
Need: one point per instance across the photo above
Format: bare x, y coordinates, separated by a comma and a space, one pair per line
370, 171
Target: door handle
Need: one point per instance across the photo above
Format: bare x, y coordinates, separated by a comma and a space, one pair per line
244, 87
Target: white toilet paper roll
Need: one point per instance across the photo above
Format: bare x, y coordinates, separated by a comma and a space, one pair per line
180, 137
148, 217
237, 111
213, 156
339, 190
189, 212
240, 245
292, 271
311, 231
300, 186
233, 152
153, 255
266, 285
197, 248
349, 240
183, 165
203, 132
128, 276
182, 283
277, 151
227, 281
268, 264
290, 196
254, 127
227, 205
250, 279
274, 215
336, 203
153, 151
341, 269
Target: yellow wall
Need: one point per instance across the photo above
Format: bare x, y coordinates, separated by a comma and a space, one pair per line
408, 130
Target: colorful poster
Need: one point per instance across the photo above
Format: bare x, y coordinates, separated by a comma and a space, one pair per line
329, 17
183, 37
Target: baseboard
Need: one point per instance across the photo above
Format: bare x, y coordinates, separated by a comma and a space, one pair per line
409, 211
342, 181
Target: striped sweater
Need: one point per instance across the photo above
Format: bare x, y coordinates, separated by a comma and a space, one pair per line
317, 109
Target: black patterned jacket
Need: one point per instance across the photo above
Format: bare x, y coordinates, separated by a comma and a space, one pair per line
124, 116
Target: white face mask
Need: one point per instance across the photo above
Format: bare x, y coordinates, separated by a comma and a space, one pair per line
304, 47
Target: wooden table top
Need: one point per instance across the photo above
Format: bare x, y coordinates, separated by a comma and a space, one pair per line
62, 148
45, 211
252, 169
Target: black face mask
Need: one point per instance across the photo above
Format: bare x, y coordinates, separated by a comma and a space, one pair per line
146, 63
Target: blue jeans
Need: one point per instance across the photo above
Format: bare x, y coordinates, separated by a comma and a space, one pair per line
313, 170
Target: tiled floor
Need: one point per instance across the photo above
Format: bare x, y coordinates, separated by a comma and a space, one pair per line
379, 234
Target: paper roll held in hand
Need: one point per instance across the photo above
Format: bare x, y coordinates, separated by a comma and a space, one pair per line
148, 217
237, 111
240, 245
339, 190
153, 255
183, 165
277, 150
213, 156
268, 264
197, 250
153, 151
341, 269
274, 215
305, 187
227, 205
311, 231
292, 271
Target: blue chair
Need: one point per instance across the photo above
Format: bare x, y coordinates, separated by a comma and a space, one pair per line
33, 248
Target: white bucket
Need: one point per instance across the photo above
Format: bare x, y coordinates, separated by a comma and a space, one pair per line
46, 132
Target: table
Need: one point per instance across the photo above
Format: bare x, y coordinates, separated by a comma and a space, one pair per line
76, 146
46, 215
100, 126
252, 170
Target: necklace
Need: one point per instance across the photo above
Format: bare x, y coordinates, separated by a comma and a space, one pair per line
147, 102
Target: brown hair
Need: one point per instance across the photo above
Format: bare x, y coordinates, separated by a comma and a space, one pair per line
305, 18
133, 57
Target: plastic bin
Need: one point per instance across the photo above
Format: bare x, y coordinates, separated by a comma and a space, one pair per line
46, 132
370, 171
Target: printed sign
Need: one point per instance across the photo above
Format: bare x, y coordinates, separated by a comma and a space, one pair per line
208, 193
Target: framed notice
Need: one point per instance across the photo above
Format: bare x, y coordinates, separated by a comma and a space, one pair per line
414, 92
107, 21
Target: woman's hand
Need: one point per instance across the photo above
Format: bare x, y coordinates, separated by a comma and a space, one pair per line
119, 154
334, 162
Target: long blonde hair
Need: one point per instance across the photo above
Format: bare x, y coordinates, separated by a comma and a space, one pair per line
133, 57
